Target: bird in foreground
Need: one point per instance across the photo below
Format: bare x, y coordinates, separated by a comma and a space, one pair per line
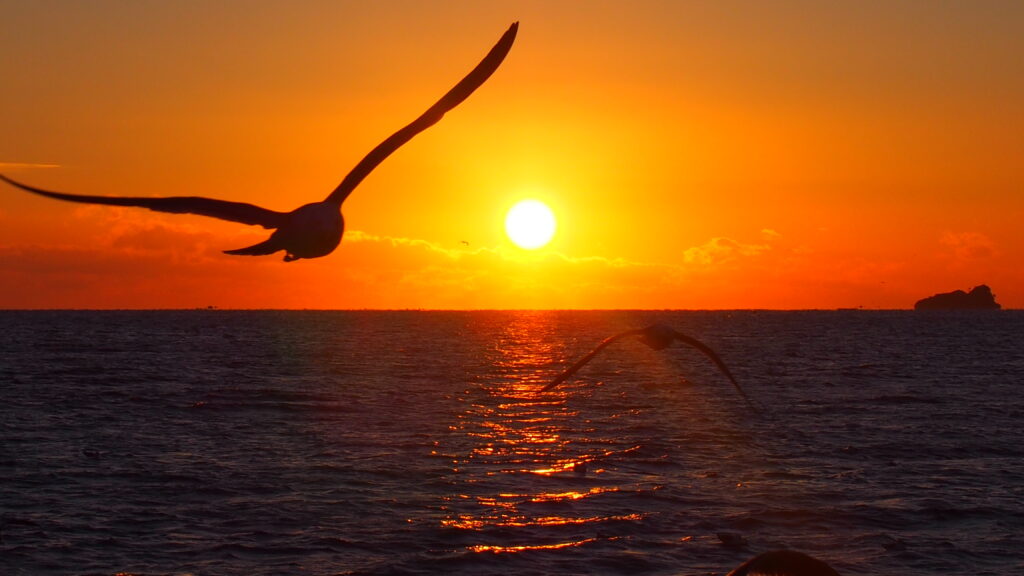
315, 229
783, 563
658, 337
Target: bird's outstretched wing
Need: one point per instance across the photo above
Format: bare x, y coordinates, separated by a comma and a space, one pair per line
453, 98
657, 337
233, 211
582, 361
718, 362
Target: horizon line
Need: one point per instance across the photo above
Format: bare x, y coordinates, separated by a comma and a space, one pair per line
221, 309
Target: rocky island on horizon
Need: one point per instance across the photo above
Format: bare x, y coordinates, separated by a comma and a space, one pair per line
979, 298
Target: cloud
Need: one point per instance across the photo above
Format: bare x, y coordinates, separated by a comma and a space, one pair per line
502, 276
23, 165
355, 236
968, 246
513, 255
721, 250
460, 276
123, 260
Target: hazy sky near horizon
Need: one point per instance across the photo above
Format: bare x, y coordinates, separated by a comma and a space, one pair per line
788, 154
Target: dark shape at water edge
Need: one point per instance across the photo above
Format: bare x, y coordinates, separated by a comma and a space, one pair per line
784, 563
979, 298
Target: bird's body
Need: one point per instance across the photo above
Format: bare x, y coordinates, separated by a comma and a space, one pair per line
312, 230
309, 231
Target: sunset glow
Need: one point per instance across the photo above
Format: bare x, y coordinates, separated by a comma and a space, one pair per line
695, 155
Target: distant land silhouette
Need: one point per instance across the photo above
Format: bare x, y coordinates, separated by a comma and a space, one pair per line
979, 298
312, 230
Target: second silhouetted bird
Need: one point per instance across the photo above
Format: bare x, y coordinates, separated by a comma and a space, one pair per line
658, 337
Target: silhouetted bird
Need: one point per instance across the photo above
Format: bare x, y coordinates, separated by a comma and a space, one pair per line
315, 229
783, 563
658, 337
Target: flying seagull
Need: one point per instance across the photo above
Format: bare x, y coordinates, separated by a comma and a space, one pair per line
658, 337
313, 230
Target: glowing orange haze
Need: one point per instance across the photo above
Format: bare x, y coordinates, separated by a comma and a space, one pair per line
758, 155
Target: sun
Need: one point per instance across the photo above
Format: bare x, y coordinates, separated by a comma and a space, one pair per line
530, 224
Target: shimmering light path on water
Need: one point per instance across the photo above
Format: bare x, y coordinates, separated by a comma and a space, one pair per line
416, 443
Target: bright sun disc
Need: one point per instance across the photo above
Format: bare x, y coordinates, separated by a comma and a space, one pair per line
530, 224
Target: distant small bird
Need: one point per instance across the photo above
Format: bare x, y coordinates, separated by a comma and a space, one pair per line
312, 230
658, 337
783, 563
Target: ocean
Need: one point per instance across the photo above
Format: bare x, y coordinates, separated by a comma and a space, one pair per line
213, 442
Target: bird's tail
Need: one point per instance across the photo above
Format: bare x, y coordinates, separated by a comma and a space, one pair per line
268, 246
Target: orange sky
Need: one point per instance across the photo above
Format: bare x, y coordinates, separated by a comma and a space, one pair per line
696, 154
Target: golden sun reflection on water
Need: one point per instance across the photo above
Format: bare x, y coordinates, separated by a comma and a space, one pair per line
505, 549
526, 471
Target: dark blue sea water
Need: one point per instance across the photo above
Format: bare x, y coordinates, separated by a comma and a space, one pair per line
221, 442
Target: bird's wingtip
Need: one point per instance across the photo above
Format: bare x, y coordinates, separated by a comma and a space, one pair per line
14, 183
268, 246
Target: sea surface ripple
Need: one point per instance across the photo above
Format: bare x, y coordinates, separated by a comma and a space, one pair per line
387, 443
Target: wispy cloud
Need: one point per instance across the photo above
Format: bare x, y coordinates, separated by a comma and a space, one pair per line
968, 246
715, 251
155, 261
26, 165
360, 236
507, 254
719, 250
